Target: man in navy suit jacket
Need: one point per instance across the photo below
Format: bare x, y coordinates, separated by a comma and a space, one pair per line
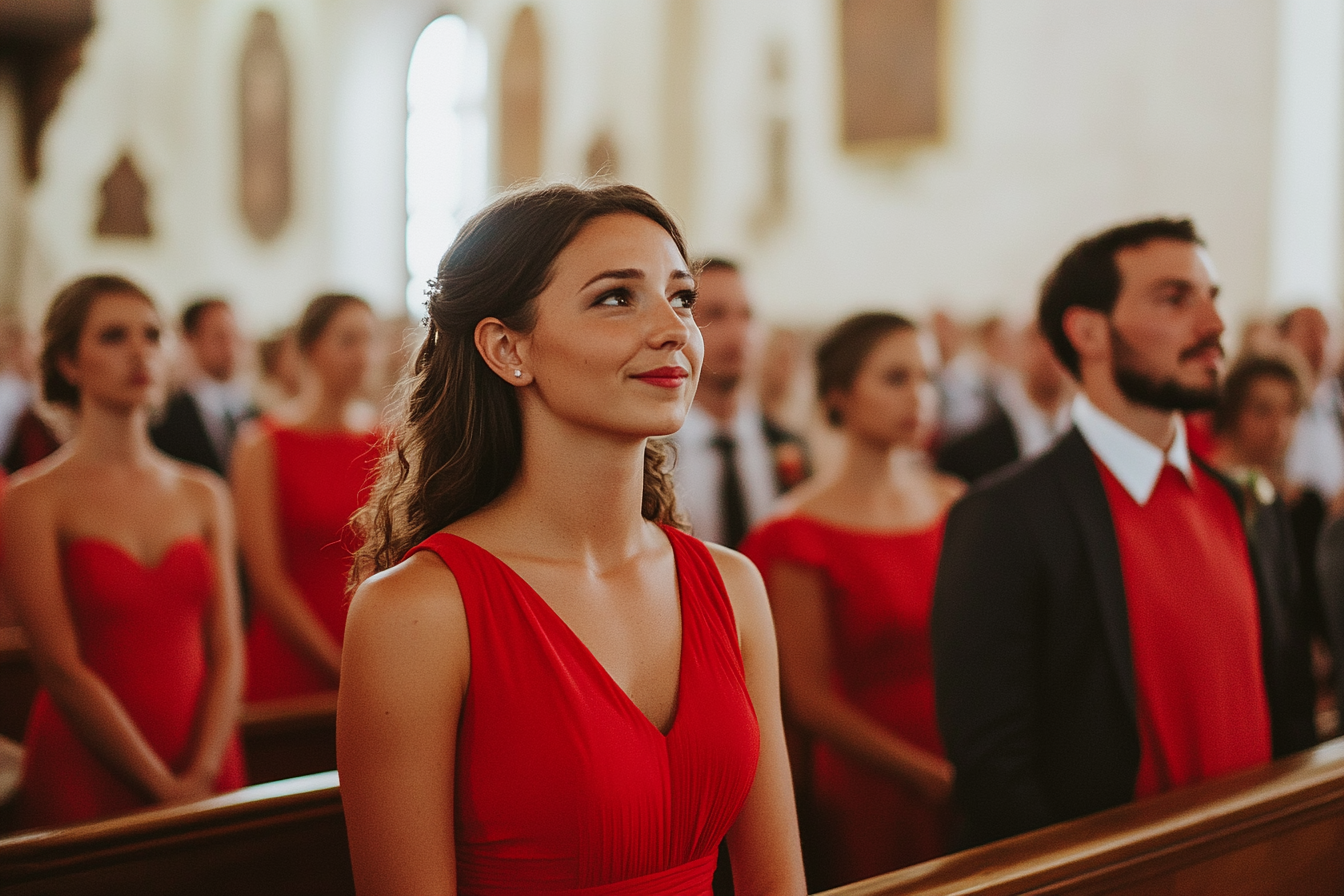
1055, 686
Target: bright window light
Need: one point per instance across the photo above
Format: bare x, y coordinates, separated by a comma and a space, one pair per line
446, 177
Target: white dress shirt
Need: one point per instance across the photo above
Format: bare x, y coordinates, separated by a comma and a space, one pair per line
222, 407
699, 469
1135, 462
1035, 429
1316, 455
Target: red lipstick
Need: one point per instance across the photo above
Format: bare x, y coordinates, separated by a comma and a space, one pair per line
667, 377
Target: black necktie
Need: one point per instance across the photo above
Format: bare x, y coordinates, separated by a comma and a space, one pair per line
732, 503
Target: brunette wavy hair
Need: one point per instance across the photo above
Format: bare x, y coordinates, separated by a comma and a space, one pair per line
456, 440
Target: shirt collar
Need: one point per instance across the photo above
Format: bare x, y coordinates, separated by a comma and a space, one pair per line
1133, 460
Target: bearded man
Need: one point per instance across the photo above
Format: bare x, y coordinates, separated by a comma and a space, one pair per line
1112, 620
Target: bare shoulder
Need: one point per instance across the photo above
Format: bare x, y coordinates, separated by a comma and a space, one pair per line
253, 439
204, 488
948, 488
37, 488
419, 595
746, 589
804, 498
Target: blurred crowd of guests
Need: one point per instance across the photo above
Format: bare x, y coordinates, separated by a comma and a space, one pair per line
840, 492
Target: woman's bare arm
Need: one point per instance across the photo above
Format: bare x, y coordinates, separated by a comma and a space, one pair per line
798, 599
34, 586
256, 503
404, 676
221, 700
763, 842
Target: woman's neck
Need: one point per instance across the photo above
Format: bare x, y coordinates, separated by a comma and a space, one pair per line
319, 408
577, 496
114, 436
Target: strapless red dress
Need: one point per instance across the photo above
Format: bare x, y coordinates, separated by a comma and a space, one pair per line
321, 479
879, 593
563, 785
141, 631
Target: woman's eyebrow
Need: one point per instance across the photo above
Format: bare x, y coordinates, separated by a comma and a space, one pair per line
622, 274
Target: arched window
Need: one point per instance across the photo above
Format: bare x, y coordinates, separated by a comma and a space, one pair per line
446, 163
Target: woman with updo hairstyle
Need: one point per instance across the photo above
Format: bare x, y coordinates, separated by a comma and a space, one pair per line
548, 686
849, 566
299, 473
118, 561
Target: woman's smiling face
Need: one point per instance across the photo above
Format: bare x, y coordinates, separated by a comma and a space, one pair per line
615, 346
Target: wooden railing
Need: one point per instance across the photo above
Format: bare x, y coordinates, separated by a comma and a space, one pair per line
1277, 829
283, 837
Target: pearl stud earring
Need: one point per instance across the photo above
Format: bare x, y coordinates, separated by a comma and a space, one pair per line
517, 374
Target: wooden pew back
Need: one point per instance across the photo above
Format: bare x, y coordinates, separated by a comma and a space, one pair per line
283, 837
1277, 829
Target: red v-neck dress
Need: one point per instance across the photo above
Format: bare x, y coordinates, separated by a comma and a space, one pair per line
140, 630
563, 785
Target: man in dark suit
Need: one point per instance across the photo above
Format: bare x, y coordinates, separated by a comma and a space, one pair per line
1104, 627
732, 461
200, 421
1029, 412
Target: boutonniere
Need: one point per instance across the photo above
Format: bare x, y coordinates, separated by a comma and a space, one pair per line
790, 465
1256, 489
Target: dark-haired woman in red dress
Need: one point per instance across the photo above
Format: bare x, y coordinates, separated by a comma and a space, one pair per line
558, 690
850, 573
118, 563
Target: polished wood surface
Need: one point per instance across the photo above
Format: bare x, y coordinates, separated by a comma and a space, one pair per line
282, 837
290, 737
18, 682
1276, 829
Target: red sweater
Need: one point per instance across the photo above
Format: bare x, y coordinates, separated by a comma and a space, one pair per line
1194, 627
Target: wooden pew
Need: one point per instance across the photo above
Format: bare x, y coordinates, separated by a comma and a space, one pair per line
1277, 829
282, 837
290, 737
18, 682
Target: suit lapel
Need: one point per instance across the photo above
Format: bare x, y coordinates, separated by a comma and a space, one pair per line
1086, 497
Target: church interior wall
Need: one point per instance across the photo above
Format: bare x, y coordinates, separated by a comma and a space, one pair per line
1059, 118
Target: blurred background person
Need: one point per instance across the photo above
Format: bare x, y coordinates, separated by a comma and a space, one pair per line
119, 563
299, 473
849, 569
1029, 410
732, 461
25, 435
1258, 410
201, 419
1316, 456
281, 369
17, 388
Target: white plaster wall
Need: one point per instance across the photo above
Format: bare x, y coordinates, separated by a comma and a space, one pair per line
1063, 116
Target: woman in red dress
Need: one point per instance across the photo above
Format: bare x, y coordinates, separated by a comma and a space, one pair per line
298, 475
850, 572
118, 563
557, 690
